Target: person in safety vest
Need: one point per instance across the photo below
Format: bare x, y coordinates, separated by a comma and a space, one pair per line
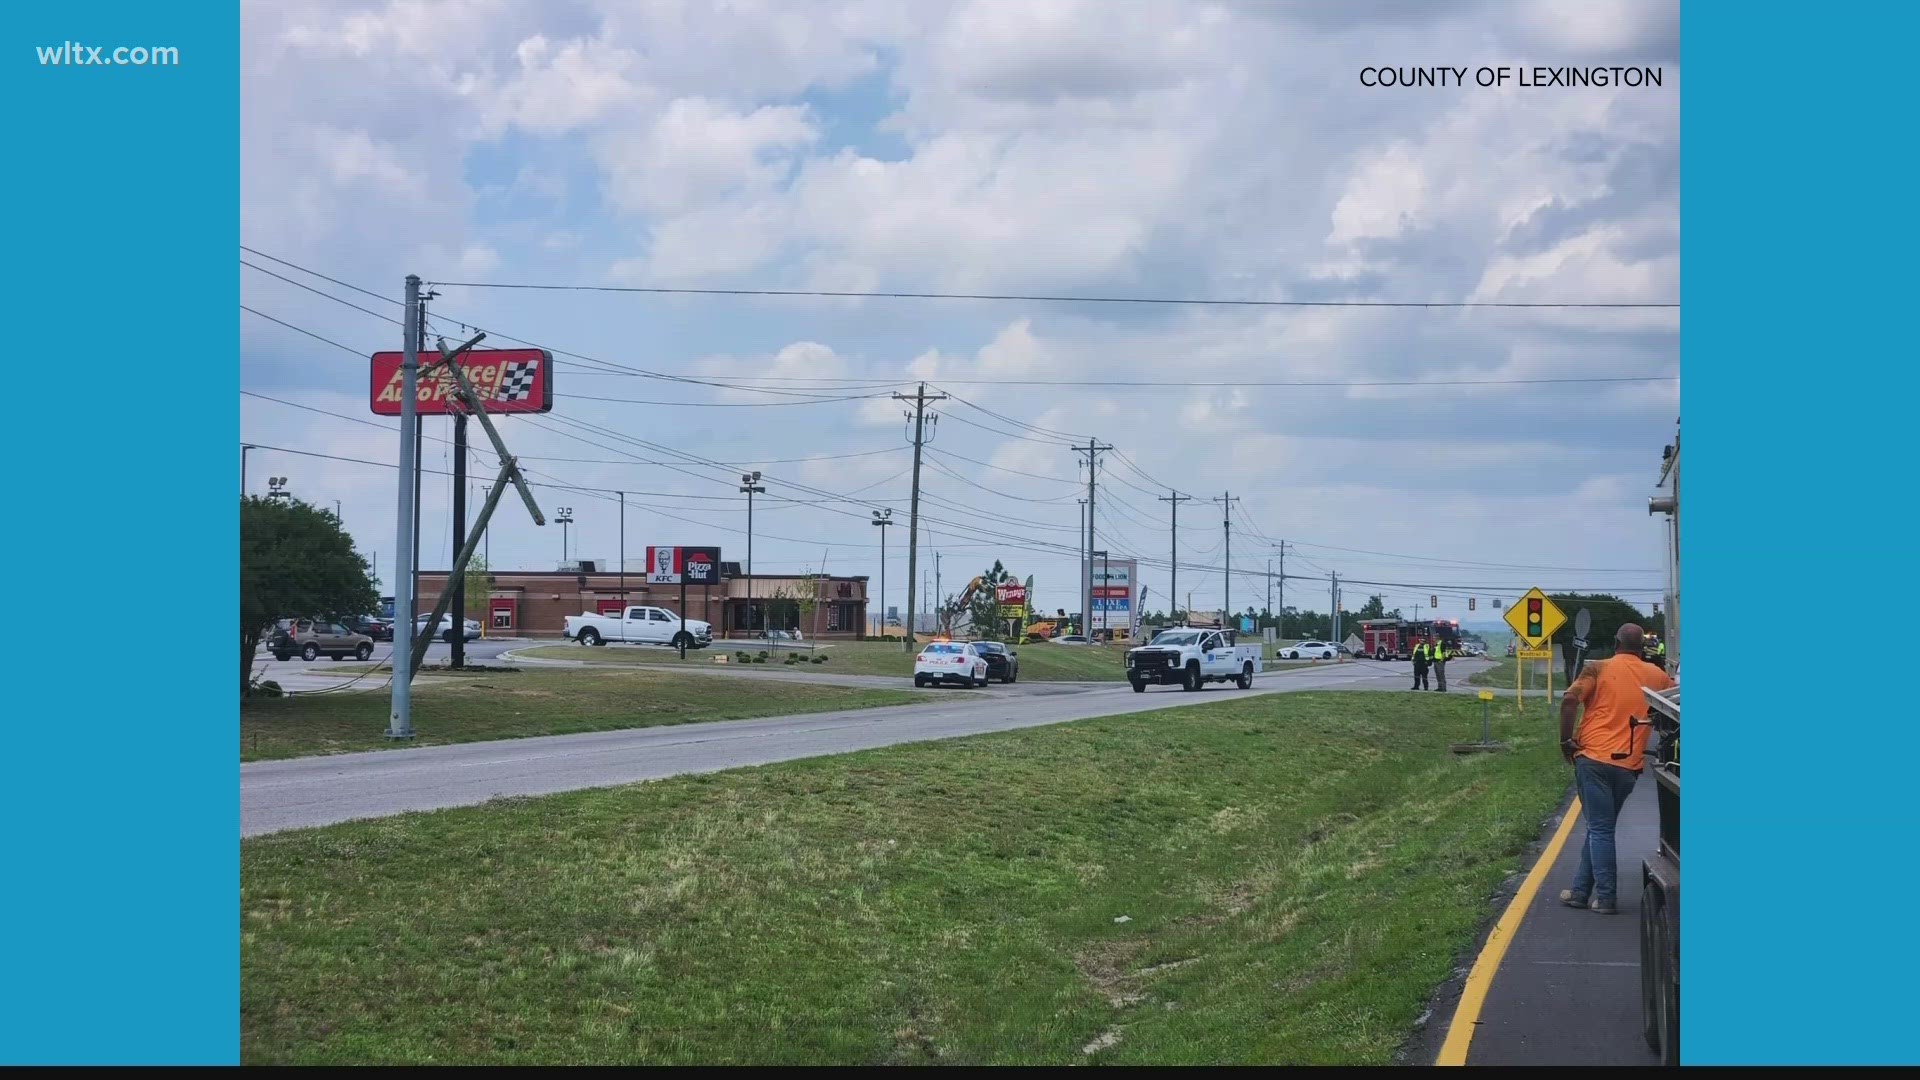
1420, 665
1606, 748
1438, 655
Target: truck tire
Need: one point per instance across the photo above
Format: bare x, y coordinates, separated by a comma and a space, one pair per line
683, 639
1245, 681
1380, 655
1650, 973
1191, 681
1139, 687
589, 636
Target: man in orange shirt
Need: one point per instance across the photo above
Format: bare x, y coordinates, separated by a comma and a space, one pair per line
1606, 753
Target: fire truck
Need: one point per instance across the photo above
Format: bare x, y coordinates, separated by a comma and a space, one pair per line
1394, 639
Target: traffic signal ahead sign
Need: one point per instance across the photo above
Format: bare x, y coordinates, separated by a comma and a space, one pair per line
1535, 618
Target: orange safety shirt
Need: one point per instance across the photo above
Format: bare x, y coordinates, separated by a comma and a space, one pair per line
1610, 691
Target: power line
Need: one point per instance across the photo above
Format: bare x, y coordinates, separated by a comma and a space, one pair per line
1038, 298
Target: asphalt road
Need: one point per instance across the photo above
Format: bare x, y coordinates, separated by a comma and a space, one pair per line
306, 792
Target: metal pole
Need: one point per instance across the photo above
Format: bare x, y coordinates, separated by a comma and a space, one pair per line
623, 555
400, 712
244, 447
750, 484
1173, 549
458, 656
919, 399
1280, 629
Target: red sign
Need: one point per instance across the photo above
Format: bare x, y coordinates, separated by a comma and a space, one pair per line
1110, 592
673, 565
507, 380
1010, 595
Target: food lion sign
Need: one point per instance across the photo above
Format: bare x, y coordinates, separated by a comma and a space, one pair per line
507, 380
683, 566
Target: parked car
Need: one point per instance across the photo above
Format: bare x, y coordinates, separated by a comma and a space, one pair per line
309, 638
1072, 639
445, 630
950, 661
373, 626
1002, 663
1309, 650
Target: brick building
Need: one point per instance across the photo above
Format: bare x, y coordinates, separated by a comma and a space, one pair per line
536, 603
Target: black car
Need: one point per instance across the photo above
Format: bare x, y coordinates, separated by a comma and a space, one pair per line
373, 626
1002, 663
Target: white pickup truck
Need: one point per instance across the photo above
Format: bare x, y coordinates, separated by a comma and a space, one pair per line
1191, 657
638, 625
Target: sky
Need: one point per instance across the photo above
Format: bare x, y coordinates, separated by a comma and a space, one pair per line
1126, 148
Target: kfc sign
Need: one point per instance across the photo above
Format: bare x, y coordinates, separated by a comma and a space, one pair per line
683, 565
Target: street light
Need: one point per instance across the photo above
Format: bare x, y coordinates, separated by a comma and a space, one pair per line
883, 520
278, 484
565, 518
750, 486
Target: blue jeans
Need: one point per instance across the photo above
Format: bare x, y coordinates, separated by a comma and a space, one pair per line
1603, 788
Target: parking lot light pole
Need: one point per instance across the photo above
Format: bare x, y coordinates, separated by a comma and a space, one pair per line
565, 518
750, 486
883, 520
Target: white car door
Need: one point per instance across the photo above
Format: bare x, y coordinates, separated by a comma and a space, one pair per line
661, 626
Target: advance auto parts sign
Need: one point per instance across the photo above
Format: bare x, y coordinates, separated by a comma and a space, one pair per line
507, 380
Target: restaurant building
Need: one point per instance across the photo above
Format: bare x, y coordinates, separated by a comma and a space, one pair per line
536, 603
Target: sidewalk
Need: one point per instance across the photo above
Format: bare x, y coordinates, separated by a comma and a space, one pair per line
1567, 991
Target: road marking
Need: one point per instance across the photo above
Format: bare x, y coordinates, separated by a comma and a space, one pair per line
1474, 995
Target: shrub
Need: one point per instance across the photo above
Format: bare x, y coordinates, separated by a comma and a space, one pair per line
819, 659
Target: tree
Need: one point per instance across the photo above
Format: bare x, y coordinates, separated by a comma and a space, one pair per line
1609, 613
806, 604
295, 562
983, 609
479, 586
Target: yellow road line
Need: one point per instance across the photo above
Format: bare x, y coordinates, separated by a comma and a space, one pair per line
1474, 995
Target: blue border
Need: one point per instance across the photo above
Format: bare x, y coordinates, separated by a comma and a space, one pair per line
1799, 943
118, 786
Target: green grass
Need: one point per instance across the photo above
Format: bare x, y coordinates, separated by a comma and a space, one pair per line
473, 708
1501, 674
1297, 874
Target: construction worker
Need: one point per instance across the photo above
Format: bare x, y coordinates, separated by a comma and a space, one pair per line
1420, 664
1606, 745
1438, 655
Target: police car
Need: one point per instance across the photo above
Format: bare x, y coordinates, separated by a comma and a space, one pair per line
950, 661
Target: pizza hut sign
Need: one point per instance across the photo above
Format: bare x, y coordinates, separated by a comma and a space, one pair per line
683, 565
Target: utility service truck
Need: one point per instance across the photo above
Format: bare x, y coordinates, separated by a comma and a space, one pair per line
1190, 657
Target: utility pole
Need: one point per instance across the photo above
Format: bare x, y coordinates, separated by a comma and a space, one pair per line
1086, 559
919, 398
1093, 451
1173, 548
244, 447
939, 605
750, 486
1226, 501
1333, 610
623, 556
1280, 614
419, 461
400, 713
457, 657
882, 520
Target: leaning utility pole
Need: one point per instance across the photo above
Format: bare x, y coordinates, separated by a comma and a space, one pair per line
1093, 451
1173, 549
1226, 501
458, 655
920, 398
400, 714
1333, 611
509, 473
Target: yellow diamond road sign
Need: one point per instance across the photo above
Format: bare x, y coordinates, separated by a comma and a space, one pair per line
1535, 618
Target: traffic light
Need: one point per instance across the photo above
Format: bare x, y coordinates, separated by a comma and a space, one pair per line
1433, 601
1534, 615
1470, 603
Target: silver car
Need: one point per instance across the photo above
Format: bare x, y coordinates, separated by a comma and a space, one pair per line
309, 638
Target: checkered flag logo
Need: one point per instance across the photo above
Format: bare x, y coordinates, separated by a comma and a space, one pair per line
516, 383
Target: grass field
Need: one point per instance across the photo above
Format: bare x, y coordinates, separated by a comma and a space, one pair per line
1038, 663
1501, 674
1283, 879
471, 708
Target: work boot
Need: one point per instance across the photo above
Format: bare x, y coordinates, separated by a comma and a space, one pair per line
1572, 899
1603, 907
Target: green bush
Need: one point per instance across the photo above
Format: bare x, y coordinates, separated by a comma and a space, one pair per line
761, 659
819, 659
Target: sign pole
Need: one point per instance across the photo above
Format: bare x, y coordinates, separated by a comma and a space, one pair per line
683, 613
